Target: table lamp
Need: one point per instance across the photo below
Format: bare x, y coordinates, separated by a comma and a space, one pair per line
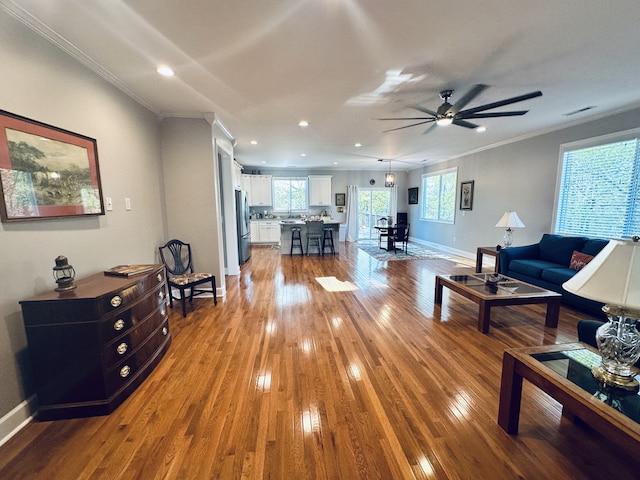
613, 277
509, 220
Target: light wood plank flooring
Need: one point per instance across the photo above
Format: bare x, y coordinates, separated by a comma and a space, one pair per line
287, 380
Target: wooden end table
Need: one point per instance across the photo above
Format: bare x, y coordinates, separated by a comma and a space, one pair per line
507, 291
564, 373
492, 251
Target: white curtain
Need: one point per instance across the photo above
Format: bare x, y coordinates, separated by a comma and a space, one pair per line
393, 203
352, 213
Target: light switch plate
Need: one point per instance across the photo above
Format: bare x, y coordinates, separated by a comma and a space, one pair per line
109, 204
127, 203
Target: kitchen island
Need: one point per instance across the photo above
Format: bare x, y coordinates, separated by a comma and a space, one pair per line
285, 234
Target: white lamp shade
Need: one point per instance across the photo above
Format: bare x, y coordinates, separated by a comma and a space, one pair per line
510, 220
612, 277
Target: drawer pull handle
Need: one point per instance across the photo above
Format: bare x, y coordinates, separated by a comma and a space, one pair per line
118, 325
116, 301
122, 348
161, 295
125, 371
159, 277
165, 330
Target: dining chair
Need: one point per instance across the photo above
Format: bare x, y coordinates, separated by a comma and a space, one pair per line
382, 232
176, 256
401, 235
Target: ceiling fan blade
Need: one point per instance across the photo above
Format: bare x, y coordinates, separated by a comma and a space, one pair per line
494, 114
411, 125
501, 103
424, 110
464, 123
404, 118
470, 95
431, 128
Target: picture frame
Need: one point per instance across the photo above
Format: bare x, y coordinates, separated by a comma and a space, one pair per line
340, 199
466, 195
413, 196
46, 172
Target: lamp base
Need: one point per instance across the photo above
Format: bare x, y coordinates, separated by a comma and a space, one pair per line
612, 380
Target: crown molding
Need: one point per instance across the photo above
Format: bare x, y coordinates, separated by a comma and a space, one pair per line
70, 49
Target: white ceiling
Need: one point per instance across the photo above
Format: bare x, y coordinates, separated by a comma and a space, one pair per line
262, 66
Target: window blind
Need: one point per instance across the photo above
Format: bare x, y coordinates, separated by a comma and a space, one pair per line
599, 193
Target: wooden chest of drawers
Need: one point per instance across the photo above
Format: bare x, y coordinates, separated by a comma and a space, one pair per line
92, 346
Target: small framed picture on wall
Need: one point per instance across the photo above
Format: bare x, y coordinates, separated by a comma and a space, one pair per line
413, 196
340, 199
466, 195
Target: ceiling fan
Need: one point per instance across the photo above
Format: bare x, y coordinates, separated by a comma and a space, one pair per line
448, 114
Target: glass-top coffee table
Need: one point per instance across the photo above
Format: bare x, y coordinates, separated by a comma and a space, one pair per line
506, 291
564, 373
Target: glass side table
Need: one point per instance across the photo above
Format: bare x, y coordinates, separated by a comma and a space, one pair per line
564, 372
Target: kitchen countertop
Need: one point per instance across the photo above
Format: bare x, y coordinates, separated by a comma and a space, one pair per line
303, 222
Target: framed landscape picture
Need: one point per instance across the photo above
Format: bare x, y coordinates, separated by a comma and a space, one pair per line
413, 196
46, 172
466, 195
340, 199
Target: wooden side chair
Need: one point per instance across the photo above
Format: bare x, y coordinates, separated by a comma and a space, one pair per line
382, 232
176, 256
401, 235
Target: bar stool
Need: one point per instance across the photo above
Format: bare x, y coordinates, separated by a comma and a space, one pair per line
296, 240
327, 240
314, 236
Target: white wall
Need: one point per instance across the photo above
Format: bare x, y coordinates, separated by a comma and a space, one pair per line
519, 176
191, 191
41, 82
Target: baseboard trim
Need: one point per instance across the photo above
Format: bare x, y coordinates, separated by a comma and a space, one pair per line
17, 419
444, 248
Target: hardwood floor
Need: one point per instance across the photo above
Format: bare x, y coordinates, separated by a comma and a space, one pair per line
287, 380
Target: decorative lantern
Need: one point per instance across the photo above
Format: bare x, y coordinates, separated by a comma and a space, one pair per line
64, 274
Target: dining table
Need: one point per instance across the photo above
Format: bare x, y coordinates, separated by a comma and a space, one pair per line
390, 231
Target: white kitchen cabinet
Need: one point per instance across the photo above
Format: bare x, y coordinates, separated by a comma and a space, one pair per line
255, 231
237, 176
246, 186
270, 232
265, 231
260, 191
320, 190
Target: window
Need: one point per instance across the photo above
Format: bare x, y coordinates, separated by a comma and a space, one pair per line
439, 195
599, 188
290, 194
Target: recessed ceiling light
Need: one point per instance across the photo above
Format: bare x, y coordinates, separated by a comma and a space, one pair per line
303, 154
303, 123
335, 163
254, 142
165, 71
357, 145
481, 128
263, 162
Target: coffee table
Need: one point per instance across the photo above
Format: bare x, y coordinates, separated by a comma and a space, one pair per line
564, 373
507, 291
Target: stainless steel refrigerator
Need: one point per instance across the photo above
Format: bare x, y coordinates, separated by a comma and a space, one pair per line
244, 226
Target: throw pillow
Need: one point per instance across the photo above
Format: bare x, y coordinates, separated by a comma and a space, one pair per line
579, 260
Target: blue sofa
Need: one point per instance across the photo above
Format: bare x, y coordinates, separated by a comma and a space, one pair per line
546, 264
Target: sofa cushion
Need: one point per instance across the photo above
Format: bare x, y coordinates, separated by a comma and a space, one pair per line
531, 268
593, 246
558, 249
579, 260
558, 275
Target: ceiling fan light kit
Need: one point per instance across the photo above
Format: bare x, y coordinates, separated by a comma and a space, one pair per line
448, 114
